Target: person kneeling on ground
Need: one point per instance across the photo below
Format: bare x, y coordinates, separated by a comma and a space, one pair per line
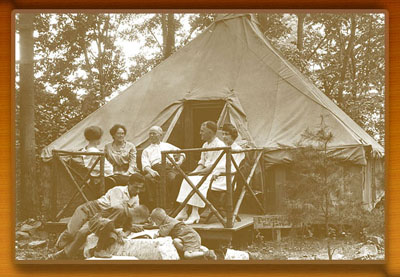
116, 196
103, 224
185, 238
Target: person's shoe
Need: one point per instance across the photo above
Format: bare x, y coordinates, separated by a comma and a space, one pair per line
192, 219
60, 255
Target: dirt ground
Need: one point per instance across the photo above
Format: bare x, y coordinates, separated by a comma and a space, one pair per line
310, 249
40, 244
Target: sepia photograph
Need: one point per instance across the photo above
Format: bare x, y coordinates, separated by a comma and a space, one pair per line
199, 137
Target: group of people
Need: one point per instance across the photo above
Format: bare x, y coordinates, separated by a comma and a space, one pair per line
131, 193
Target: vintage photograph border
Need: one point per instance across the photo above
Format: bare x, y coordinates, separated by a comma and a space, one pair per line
261, 262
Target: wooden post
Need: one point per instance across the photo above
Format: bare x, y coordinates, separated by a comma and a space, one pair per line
263, 182
229, 200
102, 182
276, 234
163, 183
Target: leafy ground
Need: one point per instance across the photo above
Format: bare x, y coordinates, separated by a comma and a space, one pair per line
34, 243
290, 248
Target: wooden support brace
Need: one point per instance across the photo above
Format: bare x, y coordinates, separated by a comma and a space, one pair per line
196, 190
247, 184
73, 180
175, 212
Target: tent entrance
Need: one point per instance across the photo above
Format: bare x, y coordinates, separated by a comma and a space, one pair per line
186, 133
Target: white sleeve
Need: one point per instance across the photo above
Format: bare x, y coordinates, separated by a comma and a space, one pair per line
145, 158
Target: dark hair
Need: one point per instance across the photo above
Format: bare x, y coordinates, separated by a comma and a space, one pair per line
136, 178
114, 129
230, 128
210, 125
93, 133
142, 211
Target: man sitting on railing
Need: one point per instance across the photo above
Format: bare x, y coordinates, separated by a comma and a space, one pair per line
208, 132
117, 196
151, 164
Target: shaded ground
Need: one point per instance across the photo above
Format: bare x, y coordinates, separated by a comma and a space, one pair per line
34, 243
314, 249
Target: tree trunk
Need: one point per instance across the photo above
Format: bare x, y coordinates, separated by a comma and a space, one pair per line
300, 29
28, 189
168, 27
346, 58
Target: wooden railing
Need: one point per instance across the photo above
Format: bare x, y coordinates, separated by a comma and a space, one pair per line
232, 209
80, 182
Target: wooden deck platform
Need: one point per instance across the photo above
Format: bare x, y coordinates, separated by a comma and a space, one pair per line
213, 230
245, 221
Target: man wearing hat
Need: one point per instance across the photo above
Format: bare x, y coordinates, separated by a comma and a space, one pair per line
151, 164
120, 196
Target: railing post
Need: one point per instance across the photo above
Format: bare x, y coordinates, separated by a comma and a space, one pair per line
162, 185
229, 200
102, 182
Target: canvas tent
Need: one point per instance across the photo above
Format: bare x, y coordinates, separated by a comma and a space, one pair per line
265, 96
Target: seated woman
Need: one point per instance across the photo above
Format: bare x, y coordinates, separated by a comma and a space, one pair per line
218, 183
93, 135
208, 132
121, 154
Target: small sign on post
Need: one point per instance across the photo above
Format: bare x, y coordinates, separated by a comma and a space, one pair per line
274, 222
271, 222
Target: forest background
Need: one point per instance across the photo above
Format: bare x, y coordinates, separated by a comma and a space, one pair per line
69, 65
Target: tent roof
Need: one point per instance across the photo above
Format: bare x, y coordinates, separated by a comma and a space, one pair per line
231, 60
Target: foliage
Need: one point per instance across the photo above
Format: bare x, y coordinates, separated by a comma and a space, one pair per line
80, 63
343, 55
152, 30
320, 182
321, 186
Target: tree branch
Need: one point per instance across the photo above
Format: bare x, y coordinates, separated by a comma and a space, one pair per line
154, 36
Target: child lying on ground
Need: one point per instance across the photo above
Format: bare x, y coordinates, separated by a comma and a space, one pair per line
185, 238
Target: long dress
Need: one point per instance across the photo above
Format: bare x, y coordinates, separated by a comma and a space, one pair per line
207, 159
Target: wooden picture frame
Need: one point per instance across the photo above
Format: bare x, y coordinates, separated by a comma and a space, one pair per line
305, 268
